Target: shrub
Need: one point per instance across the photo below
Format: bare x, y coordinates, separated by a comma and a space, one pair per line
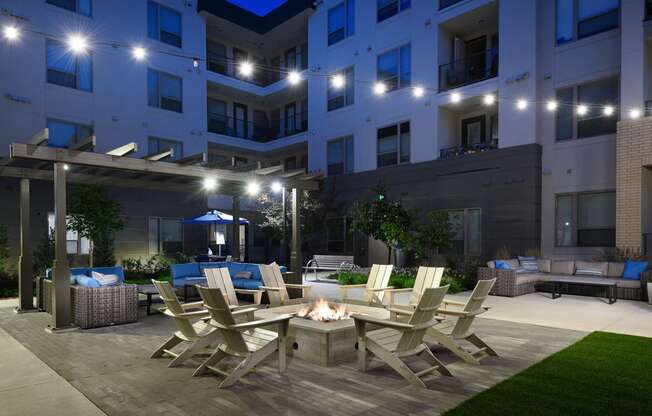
620, 254
352, 278
4, 248
44, 254
155, 267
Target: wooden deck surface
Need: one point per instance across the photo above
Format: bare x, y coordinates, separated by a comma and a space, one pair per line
111, 367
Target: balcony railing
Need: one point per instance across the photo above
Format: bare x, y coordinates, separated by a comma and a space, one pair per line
447, 3
257, 131
262, 77
474, 68
457, 151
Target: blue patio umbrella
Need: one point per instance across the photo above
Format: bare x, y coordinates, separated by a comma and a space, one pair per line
214, 217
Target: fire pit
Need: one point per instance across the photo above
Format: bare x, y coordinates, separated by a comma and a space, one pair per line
323, 332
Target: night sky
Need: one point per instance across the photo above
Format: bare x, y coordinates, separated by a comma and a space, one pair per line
260, 7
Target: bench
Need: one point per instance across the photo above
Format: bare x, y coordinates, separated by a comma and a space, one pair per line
328, 263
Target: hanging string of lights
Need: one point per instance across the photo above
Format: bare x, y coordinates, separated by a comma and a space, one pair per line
79, 44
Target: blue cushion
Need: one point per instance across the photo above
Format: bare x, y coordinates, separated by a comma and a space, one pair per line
87, 281
251, 284
503, 265
633, 269
189, 280
184, 269
211, 265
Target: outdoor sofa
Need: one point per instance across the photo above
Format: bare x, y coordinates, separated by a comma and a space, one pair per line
517, 281
94, 305
193, 274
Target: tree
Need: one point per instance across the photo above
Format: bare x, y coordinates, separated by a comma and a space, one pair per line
435, 234
92, 214
44, 253
384, 220
4, 248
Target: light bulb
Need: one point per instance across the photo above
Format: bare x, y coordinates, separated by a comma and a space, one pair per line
210, 184
253, 188
380, 88
294, 78
338, 81
552, 105
521, 104
77, 44
456, 98
582, 110
608, 110
246, 69
418, 91
634, 113
139, 53
11, 32
489, 99
277, 187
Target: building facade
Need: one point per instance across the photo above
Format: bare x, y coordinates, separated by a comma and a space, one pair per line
511, 173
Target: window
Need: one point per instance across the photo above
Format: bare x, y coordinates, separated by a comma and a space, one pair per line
67, 69
394, 68
570, 125
341, 97
64, 134
394, 144
158, 145
338, 237
217, 60
577, 19
74, 243
78, 6
163, 24
291, 59
586, 220
339, 154
164, 91
165, 235
341, 21
389, 8
466, 226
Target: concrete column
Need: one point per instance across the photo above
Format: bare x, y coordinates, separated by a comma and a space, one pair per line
295, 254
25, 261
235, 245
60, 270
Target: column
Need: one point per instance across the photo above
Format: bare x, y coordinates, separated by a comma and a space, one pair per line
295, 254
60, 271
25, 261
235, 244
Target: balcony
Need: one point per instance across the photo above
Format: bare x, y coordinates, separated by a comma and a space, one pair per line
469, 70
447, 3
458, 151
260, 132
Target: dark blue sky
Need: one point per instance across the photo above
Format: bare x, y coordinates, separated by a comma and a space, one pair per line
260, 7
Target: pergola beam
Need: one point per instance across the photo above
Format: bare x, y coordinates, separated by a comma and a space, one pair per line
160, 155
269, 170
40, 137
124, 150
196, 159
86, 144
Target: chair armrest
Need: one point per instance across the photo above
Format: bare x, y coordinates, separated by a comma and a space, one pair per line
186, 315
352, 286
262, 322
273, 289
248, 291
382, 322
296, 286
381, 289
191, 305
400, 311
453, 302
242, 311
459, 313
405, 289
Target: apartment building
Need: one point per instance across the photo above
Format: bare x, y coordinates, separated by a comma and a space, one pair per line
448, 132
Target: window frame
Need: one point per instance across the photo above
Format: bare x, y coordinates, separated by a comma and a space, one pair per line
158, 23
574, 223
159, 219
76, 58
576, 22
400, 82
158, 139
347, 28
348, 72
466, 229
76, 125
76, 10
346, 169
158, 90
348, 242
399, 9
399, 138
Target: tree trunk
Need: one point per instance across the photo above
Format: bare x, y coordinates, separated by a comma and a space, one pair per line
90, 253
389, 254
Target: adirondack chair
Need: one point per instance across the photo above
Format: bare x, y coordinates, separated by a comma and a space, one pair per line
246, 341
449, 333
220, 278
375, 287
277, 289
397, 340
426, 277
191, 327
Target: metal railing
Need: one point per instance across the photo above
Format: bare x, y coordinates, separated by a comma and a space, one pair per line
257, 131
468, 70
262, 77
457, 151
447, 3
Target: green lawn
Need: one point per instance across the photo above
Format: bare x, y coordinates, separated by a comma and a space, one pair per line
603, 374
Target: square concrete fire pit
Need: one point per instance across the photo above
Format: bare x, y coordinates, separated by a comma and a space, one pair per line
322, 343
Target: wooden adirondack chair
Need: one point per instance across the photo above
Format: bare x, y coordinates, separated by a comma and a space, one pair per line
375, 287
191, 327
277, 289
396, 340
426, 277
448, 334
246, 341
220, 278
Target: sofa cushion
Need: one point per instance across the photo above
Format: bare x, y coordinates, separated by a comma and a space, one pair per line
591, 268
544, 265
633, 269
116, 270
628, 283
529, 264
189, 280
512, 264
87, 281
503, 265
491, 264
523, 278
243, 274
615, 269
211, 265
250, 284
562, 267
182, 270
106, 279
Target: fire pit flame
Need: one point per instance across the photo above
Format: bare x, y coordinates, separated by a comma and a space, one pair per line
323, 311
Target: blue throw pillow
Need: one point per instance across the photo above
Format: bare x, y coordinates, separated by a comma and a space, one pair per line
503, 265
633, 269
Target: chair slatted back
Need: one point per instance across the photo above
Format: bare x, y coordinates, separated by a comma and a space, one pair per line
171, 301
427, 277
217, 306
473, 305
272, 277
378, 278
220, 278
424, 312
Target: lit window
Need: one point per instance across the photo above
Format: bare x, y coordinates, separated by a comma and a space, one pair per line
74, 244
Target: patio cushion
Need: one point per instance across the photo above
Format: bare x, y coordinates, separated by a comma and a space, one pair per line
529, 263
513, 263
116, 270
562, 267
591, 268
491, 264
73, 271
211, 265
184, 269
544, 265
523, 278
189, 280
106, 279
615, 269
87, 281
628, 283
244, 274
633, 269
251, 284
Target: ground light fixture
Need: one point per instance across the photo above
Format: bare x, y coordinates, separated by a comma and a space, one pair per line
11, 32
608, 110
210, 184
338, 81
246, 69
582, 110
634, 113
77, 44
552, 105
277, 187
456, 97
379, 88
521, 104
294, 78
418, 92
139, 53
489, 99
253, 188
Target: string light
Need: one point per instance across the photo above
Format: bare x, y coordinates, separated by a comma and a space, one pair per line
210, 184
277, 187
521, 104
294, 78
582, 110
77, 44
456, 97
66, 166
246, 69
489, 99
552, 105
380, 88
253, 188
634, 113
608, 111
338, 81
418, 92
139, 53
11, 32
195, 62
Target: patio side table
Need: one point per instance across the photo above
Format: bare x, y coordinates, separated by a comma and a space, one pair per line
149, 291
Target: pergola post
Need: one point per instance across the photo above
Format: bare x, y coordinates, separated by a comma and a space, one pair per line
295, 255
25, 261
235, 245
60, 271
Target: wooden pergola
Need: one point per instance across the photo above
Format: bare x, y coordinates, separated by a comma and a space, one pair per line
35, 160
